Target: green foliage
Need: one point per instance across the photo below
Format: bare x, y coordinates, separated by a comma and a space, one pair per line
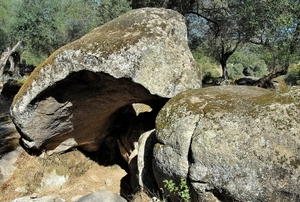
235, 71
111, 9
278, 25
207, 66
46, 25
3, 40
33, 23
76, 18
170, 186
223, 28
146, 3
293, 75
182, 190
251, 59
6, 11
274, 25
32, 58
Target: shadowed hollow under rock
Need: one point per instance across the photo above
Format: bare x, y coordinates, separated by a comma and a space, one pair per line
81, 110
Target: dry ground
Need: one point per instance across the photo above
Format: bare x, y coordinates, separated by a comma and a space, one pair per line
83, 177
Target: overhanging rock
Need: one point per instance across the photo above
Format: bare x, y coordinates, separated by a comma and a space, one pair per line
75, 96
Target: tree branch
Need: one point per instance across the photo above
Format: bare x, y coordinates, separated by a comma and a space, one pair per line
204, 17
5, 56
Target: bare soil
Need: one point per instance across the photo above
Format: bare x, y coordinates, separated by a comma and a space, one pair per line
83, 177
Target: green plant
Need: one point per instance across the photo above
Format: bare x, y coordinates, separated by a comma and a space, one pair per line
209, 69
293, 75
182, 190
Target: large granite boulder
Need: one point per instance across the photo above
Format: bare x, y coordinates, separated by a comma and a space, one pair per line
231, 143
84, 90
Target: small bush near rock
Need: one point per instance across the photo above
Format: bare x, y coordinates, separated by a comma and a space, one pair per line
181, 191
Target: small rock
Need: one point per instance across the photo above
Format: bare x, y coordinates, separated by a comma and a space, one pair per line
34, 195
7, 164
102, 188
20, 190
102, 196
55, 198
52, 180
154, 199
94, 178
109, 182
76, 198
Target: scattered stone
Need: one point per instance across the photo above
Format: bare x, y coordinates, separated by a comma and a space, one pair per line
76, 198
55, 198
102, 196
94, 178
53, 180
109, 182
34, 195
154, 199
20, 190
7, 161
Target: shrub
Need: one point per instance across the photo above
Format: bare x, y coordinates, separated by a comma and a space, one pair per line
293, 75
209, 69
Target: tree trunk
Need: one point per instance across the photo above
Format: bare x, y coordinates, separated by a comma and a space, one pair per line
224, 70
12, 64
5, 56
165, 4
266, 82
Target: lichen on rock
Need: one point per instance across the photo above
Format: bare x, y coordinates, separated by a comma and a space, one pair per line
244, 143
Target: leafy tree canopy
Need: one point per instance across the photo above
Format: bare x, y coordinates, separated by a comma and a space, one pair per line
247, 62
45, 25
223, 29
233, 24
208, 67
293, 75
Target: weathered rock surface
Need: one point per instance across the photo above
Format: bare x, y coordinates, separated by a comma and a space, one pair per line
7, 161
145, 174
231, 143
9, 141
75, 96
102, 196
40, 199
9, 136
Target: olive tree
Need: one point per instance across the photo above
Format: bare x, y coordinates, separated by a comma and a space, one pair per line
233, 24
278, 32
